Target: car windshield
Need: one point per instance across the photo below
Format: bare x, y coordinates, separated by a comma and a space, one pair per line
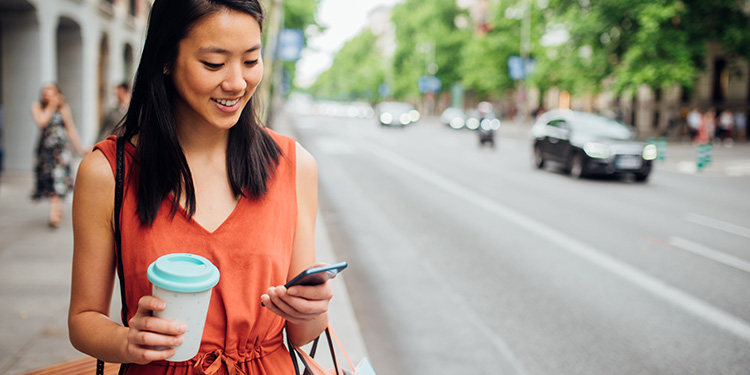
395, 107
599, 126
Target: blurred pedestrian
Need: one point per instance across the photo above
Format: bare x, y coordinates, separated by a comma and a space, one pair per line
53, 153
117, 113
694, 121
726, 124
708, 127
203, 176
740, 124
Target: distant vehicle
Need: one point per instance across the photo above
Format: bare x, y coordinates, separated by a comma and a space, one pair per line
360, 110
453, 117
588, 144
396, 114
486, 122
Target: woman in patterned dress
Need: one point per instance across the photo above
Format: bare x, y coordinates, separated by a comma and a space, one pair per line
53, 153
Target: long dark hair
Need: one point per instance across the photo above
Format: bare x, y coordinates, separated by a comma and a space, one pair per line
252, 155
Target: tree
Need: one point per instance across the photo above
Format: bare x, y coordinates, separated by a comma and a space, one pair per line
299, 14
657, 43
356, 73
429, 27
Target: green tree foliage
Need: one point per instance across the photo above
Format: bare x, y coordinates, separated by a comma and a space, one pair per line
657, 43
429, 27
356, 72
299, 14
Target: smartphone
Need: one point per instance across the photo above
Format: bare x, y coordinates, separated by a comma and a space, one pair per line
317, 275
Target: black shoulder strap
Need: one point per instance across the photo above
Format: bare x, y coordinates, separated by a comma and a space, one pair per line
119, 187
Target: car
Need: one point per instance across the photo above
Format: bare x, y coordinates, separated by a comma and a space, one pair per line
587, 144
397, 114
453, 117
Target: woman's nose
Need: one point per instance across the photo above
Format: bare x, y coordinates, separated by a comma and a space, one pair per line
234, 80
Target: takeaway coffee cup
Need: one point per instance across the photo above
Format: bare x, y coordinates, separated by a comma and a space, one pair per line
184, 282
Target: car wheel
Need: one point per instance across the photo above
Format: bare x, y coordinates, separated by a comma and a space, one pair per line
641, 177
576, 166
538, 157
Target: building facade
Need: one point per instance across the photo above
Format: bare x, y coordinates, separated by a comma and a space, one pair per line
86, 46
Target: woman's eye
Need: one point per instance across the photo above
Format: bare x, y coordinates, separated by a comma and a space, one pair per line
212, 66
251, 62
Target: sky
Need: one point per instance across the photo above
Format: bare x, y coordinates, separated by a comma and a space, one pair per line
344, 20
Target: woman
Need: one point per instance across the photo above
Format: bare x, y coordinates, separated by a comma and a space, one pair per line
201, 176
53, 155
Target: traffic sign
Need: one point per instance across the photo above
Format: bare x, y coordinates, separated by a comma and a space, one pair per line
429, 84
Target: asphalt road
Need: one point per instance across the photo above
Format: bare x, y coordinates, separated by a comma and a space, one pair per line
469, 261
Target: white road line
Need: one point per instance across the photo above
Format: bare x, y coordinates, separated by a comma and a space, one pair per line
718, 224
656, 287
710, 253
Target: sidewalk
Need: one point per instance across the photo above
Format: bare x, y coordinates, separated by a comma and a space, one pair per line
35, 264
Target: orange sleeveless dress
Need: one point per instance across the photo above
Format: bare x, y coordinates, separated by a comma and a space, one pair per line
252, 249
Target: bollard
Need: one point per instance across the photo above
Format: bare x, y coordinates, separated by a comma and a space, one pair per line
704, 155
661, 148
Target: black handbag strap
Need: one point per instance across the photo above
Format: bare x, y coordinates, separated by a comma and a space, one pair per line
293, 353
119, 187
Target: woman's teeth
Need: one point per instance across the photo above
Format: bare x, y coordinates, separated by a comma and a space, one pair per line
227, 103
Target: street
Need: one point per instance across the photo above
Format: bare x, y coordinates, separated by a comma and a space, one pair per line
467, 260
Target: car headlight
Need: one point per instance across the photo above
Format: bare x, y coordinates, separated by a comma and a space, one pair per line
495, 123
596, 150
472, 123
386, 118
457, 123
414, 115
405, 119
650, 152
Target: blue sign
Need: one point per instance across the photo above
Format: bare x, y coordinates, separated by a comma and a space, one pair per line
429, 84
384, 90
520, 69
291, 42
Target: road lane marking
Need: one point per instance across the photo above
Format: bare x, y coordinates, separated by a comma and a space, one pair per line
718, 224
710, 253
648, 283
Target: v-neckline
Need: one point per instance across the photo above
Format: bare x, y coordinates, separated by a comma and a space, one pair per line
192, 220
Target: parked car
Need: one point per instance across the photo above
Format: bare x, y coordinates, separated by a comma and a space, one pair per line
589, 144
397, 114
453, 117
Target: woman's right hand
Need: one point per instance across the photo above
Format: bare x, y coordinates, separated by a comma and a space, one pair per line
147, 331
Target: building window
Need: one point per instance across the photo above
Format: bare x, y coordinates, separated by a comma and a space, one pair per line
132, 7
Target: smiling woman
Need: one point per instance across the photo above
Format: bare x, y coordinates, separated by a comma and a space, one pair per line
202, 176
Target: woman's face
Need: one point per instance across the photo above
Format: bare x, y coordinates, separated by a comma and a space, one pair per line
217, 69
49, 92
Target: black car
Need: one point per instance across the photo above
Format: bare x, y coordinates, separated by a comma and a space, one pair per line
589, 144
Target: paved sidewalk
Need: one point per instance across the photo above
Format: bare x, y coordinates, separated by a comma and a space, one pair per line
35, 264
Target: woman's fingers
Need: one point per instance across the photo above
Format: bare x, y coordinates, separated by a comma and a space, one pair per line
308, 304
146, 332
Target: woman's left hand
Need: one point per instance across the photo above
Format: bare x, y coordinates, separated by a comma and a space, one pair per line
300, 303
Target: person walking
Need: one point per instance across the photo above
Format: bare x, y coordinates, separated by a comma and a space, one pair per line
726, 124
694, 121
740, 123
203, 176
53, 153
708, 127
117, 113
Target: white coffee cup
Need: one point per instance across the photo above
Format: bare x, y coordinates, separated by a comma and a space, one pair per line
184, 282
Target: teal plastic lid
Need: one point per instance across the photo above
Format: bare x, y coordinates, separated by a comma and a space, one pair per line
182, 272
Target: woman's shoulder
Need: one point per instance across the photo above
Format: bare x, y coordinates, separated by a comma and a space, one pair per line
285, 143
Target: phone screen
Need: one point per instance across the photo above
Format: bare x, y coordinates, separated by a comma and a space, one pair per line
317, 275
